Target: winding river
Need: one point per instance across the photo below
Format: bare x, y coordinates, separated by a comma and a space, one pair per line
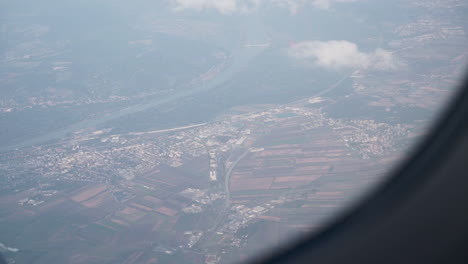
254, 33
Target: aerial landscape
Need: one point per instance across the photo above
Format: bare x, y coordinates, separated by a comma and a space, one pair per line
205, 131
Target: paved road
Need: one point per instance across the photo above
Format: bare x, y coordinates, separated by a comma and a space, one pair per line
228, 177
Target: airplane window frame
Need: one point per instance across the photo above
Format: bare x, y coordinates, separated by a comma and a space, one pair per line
391, 224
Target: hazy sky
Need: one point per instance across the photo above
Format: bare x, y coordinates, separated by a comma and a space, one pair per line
332, 54
229, 6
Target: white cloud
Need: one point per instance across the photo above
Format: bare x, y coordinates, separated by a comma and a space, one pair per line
292, 5
231, 6
343, 54
326, 4
223, 6
385, 60
295, 5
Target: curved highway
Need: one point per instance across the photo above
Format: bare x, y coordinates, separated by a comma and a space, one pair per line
227, 177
